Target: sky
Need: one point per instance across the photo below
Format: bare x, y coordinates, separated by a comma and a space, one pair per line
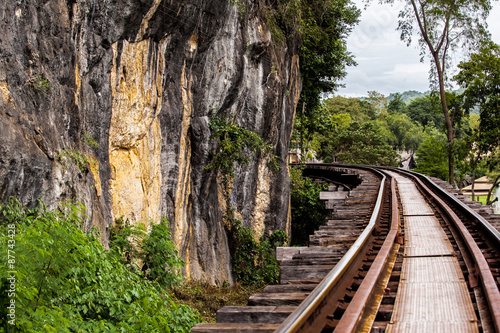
385, 63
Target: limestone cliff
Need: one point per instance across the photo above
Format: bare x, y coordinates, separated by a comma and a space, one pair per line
108, 103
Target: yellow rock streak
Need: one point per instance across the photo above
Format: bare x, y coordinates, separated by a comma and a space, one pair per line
134, 134
184, 180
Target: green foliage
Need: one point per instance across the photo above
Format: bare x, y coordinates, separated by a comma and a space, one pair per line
480, 76
308, 212
254, 262
236, 145
396, 105
363, 144
406, 133
67, 282
153, 253
323, 53
241, 4
90, 141
160, 256
74, 156
426, 111
40, 83
334, 133
323, 27
378, 101
359, 144
432, 155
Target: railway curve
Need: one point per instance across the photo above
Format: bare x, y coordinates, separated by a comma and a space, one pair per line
348, 279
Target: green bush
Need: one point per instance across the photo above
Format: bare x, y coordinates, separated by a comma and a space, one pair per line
432, 155
152, 253
67, 282
308, 211
254, 263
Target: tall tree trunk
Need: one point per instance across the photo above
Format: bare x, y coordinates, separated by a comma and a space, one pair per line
450, 134
435, 50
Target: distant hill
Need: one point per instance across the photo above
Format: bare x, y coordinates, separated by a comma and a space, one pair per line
409, 95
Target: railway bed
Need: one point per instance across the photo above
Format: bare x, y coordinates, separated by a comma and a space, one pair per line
349, 277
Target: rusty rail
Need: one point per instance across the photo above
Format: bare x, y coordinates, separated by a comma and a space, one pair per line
299, 317
488, 281
356, 309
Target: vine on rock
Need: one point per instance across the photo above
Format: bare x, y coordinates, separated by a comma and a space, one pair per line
253, 261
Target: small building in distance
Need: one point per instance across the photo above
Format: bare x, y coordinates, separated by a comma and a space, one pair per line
481, 188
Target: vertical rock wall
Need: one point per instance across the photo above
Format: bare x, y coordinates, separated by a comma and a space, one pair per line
142, 80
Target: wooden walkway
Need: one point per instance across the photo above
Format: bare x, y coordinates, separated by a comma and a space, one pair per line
432, 295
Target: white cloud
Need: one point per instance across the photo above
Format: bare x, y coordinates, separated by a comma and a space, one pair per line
385, 63
407, 69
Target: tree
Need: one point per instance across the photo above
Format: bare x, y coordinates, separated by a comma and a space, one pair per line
405, 132
444, 26
480, 76
423, 110
358, 110
324, 26
323, 53
432, 155
362, 144
378, 101
396, 104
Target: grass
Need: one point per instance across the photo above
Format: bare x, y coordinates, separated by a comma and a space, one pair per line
207, 299
482, 199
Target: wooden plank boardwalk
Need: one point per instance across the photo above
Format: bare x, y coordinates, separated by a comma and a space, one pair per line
433, 294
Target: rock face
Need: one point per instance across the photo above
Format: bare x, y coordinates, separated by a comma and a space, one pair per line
108, 103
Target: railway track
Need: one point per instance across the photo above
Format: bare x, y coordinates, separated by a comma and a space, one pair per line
347, 280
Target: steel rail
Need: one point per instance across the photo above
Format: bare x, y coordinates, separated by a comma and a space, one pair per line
299, 317
482, 267
354, 313
493, 233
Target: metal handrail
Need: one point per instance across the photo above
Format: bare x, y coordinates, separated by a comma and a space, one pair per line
311, 303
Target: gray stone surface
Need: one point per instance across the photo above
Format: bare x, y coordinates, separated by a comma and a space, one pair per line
143, 78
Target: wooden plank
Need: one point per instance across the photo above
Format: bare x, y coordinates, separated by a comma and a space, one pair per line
290, 288
293, 273
333, 195
234, 328
254, 314
283, 253
275, 299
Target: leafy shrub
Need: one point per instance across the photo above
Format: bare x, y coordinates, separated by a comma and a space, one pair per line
40, 83
153, 253
67, 282
76, 157
308, 212
254, 263
432, 155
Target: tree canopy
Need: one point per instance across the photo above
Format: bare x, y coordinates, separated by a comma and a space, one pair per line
480, 76
323, 53
444, 27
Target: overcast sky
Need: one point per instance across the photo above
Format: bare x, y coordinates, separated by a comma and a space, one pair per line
385, 63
